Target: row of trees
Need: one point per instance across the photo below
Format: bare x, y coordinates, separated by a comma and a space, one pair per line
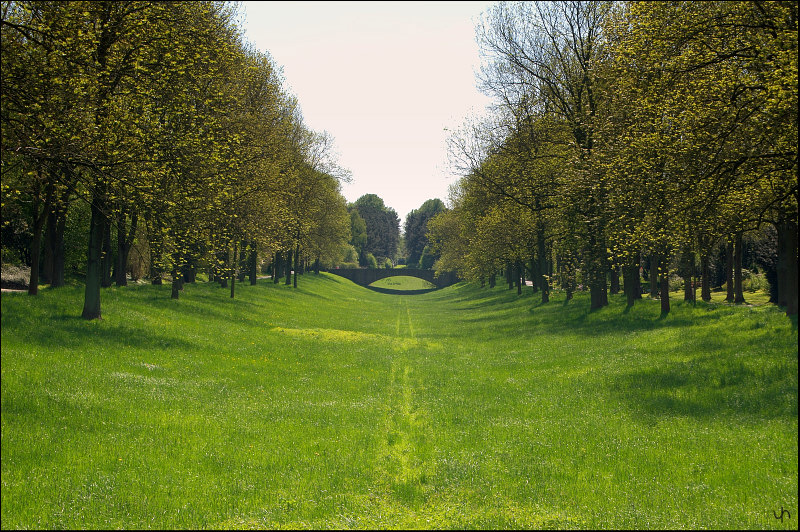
375, 231
173, 130
375, 234
624, 135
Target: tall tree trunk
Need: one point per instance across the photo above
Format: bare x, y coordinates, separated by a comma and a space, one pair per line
48, 264
663, 276
125, 235
687, 271
276, 267
630, 280
509, 275
233, 268
544, 283
535, 274
615, 280
493, 279
296, 263
596, 271
628, 271
787, 266
156, 249
59, 251
106, 258
91, 303
654, 275
729, 271
242, 263
41, 209
705, 273
177, 276
738, 295
288, 267
252, 262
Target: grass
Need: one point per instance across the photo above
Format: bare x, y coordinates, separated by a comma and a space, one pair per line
403, 282
333, 406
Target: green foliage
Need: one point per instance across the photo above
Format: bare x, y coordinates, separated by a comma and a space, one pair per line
416, 228
160, 115
371, 262
622, 132
382, 224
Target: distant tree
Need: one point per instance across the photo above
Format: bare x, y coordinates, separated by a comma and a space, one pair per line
358, 233
416, 228
383, 226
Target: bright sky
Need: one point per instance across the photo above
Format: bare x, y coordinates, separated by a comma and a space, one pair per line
384, 79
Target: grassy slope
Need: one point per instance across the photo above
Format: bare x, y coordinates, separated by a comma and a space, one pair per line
403, 282
335, 406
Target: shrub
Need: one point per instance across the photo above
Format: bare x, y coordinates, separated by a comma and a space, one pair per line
371, 262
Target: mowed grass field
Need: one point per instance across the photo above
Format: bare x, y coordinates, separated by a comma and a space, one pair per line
403, 282
333, 406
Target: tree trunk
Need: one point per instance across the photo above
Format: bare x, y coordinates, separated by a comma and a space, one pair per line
40, 214
125, 235
787, 266
276, 267
729, 271
628, 284
252, 262
107, 257
36, 247
738, 295
492, 279
509, 275
630, 279
544, 283
177, 281
687, 270
705, 273
288, 268
296, 263
535, 274
791, 277
48, 264
156, 248
654, 275
664, 277
615, 280
91, 303
233, 269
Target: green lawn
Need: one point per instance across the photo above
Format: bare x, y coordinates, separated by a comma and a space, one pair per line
333, 406
403, 282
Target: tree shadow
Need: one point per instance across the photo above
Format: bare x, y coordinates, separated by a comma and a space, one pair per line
712, 387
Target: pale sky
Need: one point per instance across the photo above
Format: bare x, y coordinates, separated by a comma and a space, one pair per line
384, 79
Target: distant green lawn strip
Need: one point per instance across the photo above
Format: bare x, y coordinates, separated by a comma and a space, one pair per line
403, 282
333, 406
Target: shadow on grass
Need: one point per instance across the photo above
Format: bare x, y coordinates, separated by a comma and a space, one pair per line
713, 387
71, 331
576, 317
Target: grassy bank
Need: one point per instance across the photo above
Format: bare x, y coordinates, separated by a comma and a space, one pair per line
332, 405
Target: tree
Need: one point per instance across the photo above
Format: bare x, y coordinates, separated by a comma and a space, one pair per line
416, 228
383, 226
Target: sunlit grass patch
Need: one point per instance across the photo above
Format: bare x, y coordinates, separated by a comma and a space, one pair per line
403, 282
